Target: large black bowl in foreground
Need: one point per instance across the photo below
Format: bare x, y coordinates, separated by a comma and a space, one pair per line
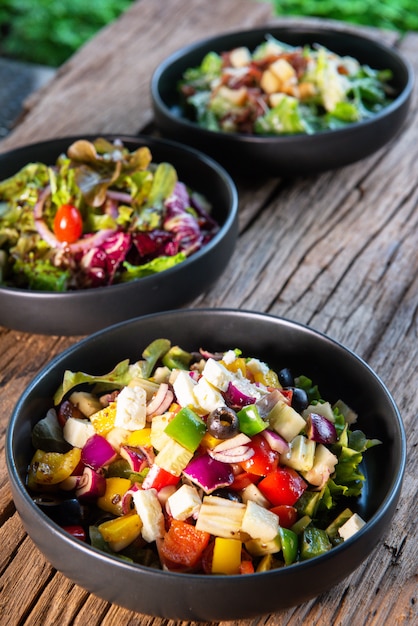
86, 311
339, 374
292, 154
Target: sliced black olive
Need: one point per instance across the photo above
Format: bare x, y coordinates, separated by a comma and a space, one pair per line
299, 399
285, 377
222, 423
227, 494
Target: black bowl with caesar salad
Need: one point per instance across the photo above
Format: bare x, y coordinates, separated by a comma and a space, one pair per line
96, 230
242, 555
288, 99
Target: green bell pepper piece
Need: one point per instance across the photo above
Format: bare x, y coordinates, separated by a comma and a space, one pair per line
314, 543
187, 428
290, 544
177, 358
250, 421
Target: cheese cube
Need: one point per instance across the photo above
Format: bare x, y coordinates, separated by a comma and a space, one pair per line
131, 405
217, 374
184, 503
207, 397
351, 526
183, 388
149, 510
77, 431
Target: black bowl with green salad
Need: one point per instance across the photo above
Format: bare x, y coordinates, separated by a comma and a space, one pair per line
96, 230
288, 99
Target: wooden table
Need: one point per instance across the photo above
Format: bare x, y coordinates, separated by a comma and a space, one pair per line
337, 251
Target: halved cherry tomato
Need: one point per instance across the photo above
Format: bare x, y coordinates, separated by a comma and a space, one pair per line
287, 515
264, 459
282, 486
68, 223
76, 531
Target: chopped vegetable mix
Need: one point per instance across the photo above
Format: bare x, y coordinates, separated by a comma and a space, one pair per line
99, 216
279, 89
160, 463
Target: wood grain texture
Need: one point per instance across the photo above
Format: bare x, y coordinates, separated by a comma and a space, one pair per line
337, 251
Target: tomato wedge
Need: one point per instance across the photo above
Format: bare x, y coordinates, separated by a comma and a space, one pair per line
68, 223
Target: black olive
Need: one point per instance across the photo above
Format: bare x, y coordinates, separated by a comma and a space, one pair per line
227, 494
222, 423
299, 399
285, 377
66, 512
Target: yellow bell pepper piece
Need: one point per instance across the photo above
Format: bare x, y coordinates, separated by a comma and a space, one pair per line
111, 500
104, 420
226, 556
209, 441
237, 365
51, 468
121, 531
139, 438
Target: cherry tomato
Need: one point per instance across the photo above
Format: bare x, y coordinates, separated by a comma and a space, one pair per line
68, 223
287, 515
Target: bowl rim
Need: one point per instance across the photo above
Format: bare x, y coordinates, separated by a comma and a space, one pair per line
393, 492
302, 27
91, 292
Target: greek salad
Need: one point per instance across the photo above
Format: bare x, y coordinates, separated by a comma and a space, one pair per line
211, 463
280, 89
99, 216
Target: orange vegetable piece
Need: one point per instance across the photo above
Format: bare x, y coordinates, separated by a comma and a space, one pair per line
183, 545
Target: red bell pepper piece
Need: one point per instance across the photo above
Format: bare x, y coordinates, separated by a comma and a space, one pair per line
282, 486
157, 478
183, 545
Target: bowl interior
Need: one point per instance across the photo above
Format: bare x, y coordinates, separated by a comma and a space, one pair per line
339, 374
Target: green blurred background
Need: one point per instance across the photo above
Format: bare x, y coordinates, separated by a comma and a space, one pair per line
48, 32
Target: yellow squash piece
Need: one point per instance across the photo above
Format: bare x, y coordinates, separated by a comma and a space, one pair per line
104, 420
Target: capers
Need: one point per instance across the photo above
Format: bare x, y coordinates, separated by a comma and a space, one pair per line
222, 423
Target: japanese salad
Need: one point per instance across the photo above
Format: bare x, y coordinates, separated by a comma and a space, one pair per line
280, 89
211, 463
99, 216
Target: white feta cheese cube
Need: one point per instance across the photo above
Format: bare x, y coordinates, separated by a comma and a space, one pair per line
183, 388
229, 357
131, 406
351, 526
217, 374
77, 431
149, 510
184, 503
207, 397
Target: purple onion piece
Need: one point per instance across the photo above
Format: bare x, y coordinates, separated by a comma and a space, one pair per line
97, 452
320, 430
92, 485
208, 473
236, 398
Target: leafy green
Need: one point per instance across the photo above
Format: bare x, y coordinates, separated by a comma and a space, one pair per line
158, 264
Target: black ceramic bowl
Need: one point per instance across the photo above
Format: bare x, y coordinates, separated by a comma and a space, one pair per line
292, 154
86, 311
339, 374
